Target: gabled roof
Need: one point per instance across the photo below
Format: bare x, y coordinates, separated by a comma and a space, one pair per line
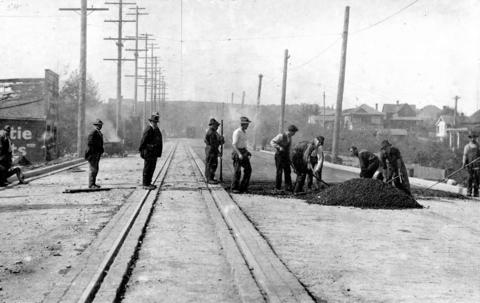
394, 108
475, 118
429, 111
445, 118
363, 109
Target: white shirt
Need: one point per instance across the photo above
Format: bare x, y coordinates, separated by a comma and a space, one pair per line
239, 138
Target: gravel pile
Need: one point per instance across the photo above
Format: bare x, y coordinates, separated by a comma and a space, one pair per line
365, 193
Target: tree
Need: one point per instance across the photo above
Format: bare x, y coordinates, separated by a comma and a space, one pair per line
68, 108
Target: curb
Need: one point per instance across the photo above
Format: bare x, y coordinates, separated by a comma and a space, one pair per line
50, 168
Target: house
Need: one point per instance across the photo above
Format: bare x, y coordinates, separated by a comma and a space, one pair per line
446, 128
443, 122
326, 118
363, 117
429, 114
400, 116
30, 107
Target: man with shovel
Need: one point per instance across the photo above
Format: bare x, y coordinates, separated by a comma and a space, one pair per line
394, 168
307, 161
471, 153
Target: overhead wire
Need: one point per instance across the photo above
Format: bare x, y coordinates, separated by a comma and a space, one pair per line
386, 18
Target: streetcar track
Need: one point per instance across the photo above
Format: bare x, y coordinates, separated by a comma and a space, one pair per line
257, 269
89, 293
270, 294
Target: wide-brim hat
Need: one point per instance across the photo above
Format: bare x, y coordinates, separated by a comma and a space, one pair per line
213, 122
244, 120
154, 118
385, 144
98, 122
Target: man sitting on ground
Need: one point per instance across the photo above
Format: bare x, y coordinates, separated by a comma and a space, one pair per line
6, 159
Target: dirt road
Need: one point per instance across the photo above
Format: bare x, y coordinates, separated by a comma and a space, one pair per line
44, 232
358, 255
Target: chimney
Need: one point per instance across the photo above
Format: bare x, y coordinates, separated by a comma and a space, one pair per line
376, 107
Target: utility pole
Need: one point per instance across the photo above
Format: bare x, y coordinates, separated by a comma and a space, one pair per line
243, 99
135, 92
341, 84
257, 109
455, 111
324, 110
284, 91
146, 37
119, 127
154, 83
83, 72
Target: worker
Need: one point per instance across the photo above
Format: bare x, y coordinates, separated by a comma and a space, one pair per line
282, 144
151, 146
368, 162
241, 158
6, 159
471, 154
394, 169
213, 140
307, 161
94, 152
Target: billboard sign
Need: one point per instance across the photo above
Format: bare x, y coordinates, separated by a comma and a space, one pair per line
29, 138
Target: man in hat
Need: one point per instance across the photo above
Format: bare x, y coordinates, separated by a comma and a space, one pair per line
241, 157
213, 140
368, 162
282, 144
394, 169
151, 146
307, 161
94, 152
6, 159
471, 154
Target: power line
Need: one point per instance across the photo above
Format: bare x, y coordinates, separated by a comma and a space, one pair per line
386, 18
316, 56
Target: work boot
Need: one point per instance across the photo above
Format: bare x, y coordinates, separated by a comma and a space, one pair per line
212, 181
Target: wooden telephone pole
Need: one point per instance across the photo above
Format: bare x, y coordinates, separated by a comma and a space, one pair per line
119, 127
137, 14
257, 109
341, 84
284, 91
83, 72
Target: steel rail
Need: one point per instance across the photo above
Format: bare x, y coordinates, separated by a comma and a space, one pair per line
93, 286
276, 282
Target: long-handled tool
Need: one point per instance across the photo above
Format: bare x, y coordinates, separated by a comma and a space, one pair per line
221, 152
393, 179
318, 179
454, 173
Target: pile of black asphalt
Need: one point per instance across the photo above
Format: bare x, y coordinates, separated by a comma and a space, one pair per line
365, 193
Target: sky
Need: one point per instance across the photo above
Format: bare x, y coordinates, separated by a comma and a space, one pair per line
419, 52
